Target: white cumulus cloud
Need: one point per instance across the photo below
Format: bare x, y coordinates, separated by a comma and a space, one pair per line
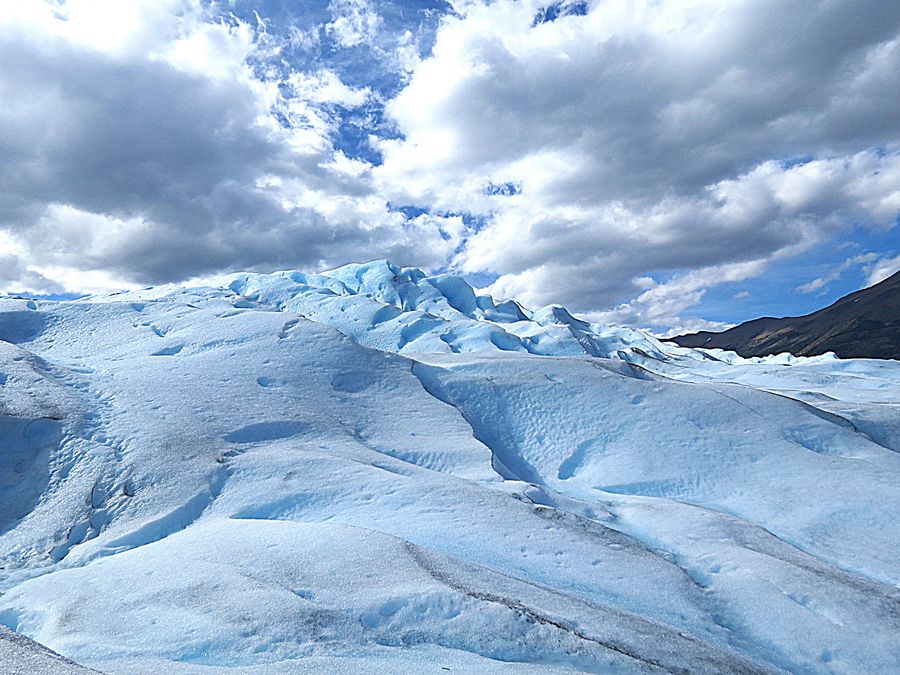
650, 138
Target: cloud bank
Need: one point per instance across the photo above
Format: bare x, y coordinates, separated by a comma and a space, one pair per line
693, 140
620, 158
141, 140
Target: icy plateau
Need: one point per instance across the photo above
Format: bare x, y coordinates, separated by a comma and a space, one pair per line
374, 470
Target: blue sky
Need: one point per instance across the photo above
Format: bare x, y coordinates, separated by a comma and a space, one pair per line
776, 294
674, 165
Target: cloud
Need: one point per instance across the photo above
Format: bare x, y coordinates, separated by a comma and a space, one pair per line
325, 87
660, 304
15, 276
588, 256
142, 143
649, 139
875, 267
620, 158
821, 283
881, 270
353, 22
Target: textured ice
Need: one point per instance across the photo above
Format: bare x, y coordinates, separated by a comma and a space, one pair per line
374, 470
21, 656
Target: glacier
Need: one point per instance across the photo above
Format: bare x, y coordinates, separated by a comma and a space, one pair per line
375, 470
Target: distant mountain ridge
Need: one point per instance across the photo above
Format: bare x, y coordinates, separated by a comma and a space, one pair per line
864, 324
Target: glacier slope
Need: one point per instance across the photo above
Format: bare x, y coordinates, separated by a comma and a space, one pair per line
21, 656
371, 466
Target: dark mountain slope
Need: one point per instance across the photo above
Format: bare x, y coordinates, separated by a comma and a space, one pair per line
864, 324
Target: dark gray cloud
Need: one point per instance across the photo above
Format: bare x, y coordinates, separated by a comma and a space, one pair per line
15, 276
144, 139
123, 138
127, 162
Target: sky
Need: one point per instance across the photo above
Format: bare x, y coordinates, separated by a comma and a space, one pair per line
673, 165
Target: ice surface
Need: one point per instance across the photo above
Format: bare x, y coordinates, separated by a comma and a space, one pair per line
21, 656
371, 469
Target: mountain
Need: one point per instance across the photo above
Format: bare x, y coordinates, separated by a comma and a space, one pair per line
375, 470
864, 324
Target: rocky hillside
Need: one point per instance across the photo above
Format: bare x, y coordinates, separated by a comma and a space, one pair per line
864, 324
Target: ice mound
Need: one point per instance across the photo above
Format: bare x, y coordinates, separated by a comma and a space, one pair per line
373, 469
397, 309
